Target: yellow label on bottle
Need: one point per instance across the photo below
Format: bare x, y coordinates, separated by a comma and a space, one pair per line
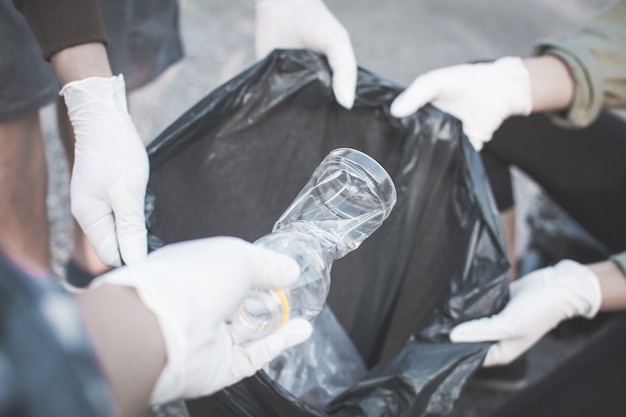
285, 306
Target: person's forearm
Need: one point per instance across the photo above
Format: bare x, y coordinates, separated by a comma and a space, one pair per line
612, 284
552, 85
128, 343
81, 61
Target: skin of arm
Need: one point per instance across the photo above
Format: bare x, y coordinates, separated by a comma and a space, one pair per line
81, 61
552, 85
612, 284
128, 343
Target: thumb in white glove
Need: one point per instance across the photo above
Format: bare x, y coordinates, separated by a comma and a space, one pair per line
110, 173
482, 96
194, 288
309, 24
539, 302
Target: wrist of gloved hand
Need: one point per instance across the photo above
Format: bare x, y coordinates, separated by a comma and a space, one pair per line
539, 302
193, 288
481, 95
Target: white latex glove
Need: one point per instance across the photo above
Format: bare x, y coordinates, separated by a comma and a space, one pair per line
110, 173
309, 24
539, 302
193, 288
482, 96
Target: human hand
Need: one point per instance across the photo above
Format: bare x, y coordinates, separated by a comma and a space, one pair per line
110, 173
482, 95
539, 302
193, 288
309, 24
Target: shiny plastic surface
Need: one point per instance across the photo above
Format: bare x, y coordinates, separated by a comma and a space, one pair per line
347, 198
232, 163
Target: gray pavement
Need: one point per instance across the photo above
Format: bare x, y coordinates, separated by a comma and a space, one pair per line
396, 39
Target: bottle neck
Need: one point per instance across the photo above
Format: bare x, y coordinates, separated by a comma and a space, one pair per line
329, 243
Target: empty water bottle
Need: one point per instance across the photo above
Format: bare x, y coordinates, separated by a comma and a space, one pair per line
347, 198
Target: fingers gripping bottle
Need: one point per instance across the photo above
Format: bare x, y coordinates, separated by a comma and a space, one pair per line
347, 198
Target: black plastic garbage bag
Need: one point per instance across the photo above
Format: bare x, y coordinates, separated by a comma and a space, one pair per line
554, 235
234, 162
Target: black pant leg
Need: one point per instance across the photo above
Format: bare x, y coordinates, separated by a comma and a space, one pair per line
582, 170
591, 383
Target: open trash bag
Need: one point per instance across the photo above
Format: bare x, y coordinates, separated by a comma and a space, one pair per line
234, 162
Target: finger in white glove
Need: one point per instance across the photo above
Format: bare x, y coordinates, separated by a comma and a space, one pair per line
194, 288
481, 95
309, 24
539, 302
110, 172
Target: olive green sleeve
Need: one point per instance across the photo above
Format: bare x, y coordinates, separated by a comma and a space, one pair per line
596, 57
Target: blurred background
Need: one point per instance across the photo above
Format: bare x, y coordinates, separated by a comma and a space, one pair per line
396, 39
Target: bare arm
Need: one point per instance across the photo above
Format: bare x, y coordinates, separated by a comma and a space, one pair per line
128, 343
81, 61
552, 85
612, 284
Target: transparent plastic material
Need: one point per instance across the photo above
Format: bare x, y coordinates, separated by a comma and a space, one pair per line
321, 368
347, 198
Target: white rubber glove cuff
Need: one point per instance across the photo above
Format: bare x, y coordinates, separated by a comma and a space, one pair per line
513, 69
114, 86
581, 288
511, 76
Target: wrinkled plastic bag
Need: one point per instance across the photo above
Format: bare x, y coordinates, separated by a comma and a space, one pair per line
321, 368
554, 235
233, 163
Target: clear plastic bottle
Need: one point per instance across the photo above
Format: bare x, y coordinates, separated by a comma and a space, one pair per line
347, 198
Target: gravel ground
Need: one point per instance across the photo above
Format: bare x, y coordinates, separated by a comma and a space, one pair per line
397, 39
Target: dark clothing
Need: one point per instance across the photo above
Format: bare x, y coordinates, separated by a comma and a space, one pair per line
590, 383
47, 366
60, 24
27, 82
582, 170
144, 40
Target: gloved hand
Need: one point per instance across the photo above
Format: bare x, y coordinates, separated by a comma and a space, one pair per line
309, 24
110, 173
193, 288
482, 96
539, 302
